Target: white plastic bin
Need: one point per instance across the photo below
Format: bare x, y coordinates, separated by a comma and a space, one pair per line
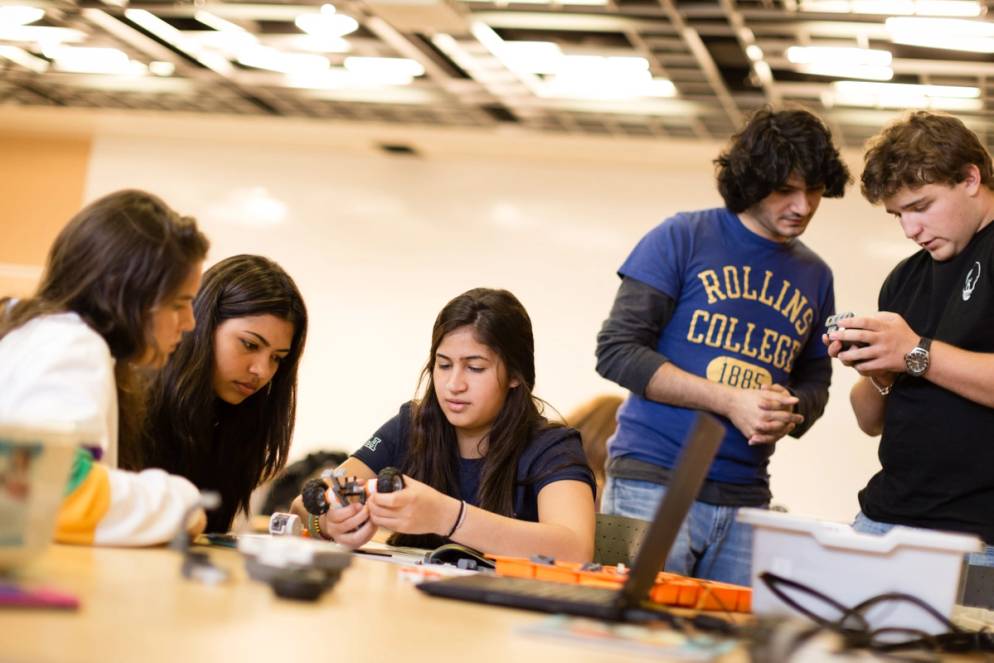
851, 567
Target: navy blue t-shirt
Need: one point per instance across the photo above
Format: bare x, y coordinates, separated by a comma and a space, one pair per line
748, 310
554, 454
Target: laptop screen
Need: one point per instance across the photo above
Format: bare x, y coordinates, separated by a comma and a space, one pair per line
692, 467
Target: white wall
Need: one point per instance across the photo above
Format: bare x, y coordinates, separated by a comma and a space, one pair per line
378, 244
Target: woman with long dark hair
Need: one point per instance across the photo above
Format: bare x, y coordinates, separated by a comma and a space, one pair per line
114, 302
222, 411
482, 466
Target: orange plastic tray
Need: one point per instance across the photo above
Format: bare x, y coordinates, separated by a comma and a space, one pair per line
670, 589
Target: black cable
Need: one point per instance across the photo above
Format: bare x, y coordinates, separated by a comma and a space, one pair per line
776, 583
855, 629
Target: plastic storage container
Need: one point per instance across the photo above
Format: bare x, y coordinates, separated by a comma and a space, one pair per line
851, 567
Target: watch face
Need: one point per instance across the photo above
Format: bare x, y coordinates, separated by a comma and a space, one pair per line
917, 361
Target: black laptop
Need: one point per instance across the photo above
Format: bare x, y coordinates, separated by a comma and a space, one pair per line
631, 601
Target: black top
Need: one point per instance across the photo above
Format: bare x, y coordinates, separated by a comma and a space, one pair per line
937, 448
554, 454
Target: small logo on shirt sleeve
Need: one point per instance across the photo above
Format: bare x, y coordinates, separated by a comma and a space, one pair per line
372, 443
971, 281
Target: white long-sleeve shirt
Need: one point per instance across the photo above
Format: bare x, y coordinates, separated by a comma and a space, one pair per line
55, 369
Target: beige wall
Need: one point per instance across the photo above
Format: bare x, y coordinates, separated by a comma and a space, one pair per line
379, 243
41, 185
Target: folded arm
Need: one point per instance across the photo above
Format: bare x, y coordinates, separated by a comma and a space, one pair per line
626, 354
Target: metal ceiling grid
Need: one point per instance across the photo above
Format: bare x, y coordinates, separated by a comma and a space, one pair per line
724, 59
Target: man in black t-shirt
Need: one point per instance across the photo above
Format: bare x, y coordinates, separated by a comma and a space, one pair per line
927, 363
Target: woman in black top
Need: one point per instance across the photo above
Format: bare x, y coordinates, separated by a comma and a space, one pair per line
222, 411
482, 466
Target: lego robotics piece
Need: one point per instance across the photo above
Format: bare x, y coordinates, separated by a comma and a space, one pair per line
389, 480
284, 524
313, 495
346, 488
832, 325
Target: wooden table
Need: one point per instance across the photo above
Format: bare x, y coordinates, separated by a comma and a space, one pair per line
137, 607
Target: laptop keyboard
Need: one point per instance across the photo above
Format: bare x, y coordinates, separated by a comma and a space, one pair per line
540, 589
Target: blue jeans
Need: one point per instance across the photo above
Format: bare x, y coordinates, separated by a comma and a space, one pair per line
711, 544
867, 526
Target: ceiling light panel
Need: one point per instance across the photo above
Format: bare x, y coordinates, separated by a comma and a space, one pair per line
11, 15
893, 95
964, 8
93, 60
842, 62
945, 33
327, 23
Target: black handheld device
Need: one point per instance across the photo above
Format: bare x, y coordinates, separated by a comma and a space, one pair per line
832, 325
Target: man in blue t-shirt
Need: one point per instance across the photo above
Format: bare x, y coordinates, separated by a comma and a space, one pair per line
723, 310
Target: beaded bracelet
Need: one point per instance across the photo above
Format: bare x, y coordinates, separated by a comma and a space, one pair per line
314, 527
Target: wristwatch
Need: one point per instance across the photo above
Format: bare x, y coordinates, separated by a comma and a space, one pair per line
916, 361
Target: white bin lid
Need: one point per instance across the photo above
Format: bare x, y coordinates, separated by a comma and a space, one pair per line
840, 535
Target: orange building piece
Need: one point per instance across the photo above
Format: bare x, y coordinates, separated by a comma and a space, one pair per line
670, 589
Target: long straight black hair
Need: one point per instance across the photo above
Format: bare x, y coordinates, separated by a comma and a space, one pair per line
114, 261
191, 432
500, 322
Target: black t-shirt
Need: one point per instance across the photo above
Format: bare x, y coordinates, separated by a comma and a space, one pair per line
554, 454
937, 449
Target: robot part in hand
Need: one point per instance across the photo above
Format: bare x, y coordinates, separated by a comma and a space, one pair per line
832, 325
390, 480
345, 488
313, 494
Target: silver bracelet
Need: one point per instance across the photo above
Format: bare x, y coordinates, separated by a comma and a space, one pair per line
883, 390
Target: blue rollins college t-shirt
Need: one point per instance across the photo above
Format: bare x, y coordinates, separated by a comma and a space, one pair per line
747, 311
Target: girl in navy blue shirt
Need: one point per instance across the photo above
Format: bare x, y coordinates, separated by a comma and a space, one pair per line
481, 466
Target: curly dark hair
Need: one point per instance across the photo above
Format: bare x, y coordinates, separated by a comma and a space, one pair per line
922, 148
773, 146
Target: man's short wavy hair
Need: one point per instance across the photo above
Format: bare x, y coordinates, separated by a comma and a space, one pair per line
773, 146
922, 148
